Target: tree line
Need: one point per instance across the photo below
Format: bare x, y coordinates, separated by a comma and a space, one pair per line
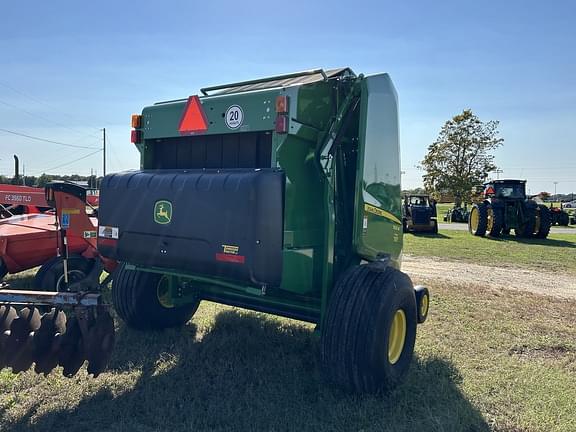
41, 181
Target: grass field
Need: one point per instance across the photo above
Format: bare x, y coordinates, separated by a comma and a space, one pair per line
556, 253
485, 360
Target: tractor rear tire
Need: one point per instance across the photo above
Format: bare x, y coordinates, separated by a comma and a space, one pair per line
137, 301
478, 220
50, 276
497, 216
368, 336
544, 223
526, 230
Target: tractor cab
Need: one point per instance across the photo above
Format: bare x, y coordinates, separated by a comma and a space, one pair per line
505, 189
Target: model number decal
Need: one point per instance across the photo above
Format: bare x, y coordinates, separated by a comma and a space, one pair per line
383, 213
17, 198
234, 117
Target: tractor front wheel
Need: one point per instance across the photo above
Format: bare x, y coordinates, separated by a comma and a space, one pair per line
478, 220
141, 299
369, 332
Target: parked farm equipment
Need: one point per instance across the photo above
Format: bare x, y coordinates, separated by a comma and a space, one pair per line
280, 195
504, 207
419, 214
457, 214
67, 283
559, 216
18, 200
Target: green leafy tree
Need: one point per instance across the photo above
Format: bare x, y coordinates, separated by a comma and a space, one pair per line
461, 158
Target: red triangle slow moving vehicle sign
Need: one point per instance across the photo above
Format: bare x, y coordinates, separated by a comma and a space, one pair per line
193, 118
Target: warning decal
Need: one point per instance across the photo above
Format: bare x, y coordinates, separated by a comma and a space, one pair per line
108, 232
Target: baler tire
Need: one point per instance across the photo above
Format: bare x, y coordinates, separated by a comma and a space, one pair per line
135, 299
543, 213
480, 229
48, 277
355, 348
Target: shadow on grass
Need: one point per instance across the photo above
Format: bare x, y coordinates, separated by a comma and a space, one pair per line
250, 372
430, 235
535, 241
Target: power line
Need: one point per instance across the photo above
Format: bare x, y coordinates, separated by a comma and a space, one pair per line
41, 102
45, 140
68, 163
31, 114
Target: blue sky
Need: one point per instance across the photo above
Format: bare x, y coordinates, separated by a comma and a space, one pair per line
69, 68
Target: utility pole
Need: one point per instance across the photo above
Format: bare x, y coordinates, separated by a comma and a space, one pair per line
498, 171
555, 183
104, 150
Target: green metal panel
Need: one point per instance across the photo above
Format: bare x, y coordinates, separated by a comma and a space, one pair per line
378, 214
258, 108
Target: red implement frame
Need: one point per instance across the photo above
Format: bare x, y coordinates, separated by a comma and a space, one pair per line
27, 241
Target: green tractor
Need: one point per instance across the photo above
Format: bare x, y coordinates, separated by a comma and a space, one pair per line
419, 214
279, 195
504, 207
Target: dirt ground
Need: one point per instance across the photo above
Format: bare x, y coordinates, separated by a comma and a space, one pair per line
559, 285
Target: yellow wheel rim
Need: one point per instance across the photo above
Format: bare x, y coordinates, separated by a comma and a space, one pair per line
424, 305
397, 336
474, 220
490, 221
163, 293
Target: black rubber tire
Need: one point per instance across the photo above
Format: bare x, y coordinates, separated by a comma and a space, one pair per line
422, 310
3, 269
563, 219
526, 230
435, 227
355, 334
49, 276
482, 209
497, 222
545, 221
506, 231
135, 299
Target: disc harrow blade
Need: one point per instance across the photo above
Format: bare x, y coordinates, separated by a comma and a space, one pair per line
71, 354
7, 315
47, 341
100, 343
19, 345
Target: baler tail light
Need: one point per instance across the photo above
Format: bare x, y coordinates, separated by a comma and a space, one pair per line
281, 124
135, 136
136, 121
281, 104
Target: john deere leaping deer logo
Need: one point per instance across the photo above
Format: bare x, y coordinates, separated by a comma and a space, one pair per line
162, 212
